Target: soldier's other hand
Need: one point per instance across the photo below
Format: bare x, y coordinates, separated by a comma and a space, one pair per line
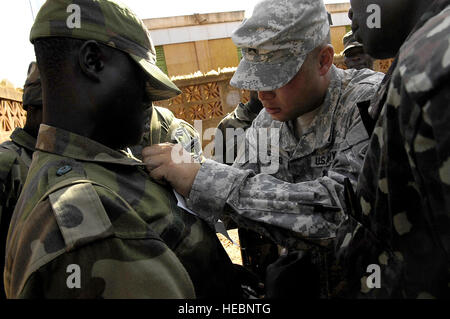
171, 163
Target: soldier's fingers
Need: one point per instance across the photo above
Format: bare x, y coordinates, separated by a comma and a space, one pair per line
159, 174
157, 149
154, 161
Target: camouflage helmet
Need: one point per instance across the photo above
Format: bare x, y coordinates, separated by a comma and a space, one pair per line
32, 90
349, 42
275, 41
110, 23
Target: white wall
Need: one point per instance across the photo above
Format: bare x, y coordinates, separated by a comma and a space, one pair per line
193, 33
340, 19
215, 31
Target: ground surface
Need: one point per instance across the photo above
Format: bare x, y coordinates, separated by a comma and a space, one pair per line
233, 251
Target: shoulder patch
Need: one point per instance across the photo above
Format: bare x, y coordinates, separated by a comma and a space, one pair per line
80, 215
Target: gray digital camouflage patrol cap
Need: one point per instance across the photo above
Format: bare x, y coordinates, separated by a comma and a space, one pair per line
32, 90
275, 41
110, 23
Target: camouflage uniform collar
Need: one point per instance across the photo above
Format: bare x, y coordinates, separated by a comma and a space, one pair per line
319, 133
22, 138
61, 142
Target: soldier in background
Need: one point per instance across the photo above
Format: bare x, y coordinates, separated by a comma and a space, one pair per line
396, 242
90, 223
226, 145
312, 105
15, 157
355, 57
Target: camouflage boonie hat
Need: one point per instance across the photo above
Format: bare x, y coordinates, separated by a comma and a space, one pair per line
275, 41
32, 90
349, 42
110, 23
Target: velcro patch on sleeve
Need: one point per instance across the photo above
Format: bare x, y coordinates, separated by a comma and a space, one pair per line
80, 215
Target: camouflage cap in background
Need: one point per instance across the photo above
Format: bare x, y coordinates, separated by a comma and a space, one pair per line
275, 41
349, 42
110, 23
32, 91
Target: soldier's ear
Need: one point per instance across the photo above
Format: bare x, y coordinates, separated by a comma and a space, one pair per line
91, 60
326, 57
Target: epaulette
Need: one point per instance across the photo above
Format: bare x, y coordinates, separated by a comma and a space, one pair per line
79, 212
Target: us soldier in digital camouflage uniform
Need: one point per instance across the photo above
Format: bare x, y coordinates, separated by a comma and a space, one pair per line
400, 217
257, 251
89, 222
322, 139
15, 157
355, 57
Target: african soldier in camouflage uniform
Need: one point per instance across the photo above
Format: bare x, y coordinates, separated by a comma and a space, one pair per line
400, 217
355, 57
15, 157
89, 222
299, 205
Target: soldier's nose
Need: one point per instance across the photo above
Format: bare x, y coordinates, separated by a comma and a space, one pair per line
266, 95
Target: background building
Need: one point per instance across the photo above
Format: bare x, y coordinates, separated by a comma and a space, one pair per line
12, 114
199, 42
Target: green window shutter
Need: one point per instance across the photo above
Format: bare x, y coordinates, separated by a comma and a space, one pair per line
161, 59
239, 52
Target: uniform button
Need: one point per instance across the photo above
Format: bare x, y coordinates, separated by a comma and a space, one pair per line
63, 170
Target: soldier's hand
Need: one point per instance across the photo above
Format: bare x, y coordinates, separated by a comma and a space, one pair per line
171, 163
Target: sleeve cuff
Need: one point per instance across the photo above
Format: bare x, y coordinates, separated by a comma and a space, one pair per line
211, 189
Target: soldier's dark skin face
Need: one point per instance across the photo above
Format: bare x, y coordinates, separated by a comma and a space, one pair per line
120, 107
356, 58
34, 120
102, 99
398, 18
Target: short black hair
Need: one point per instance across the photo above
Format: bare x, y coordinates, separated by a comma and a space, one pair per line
52, 53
